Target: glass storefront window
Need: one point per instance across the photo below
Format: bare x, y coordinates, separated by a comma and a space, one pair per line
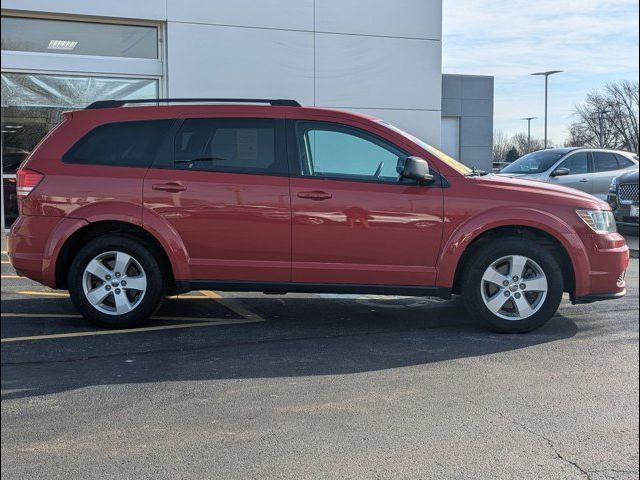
79, 38
32, 105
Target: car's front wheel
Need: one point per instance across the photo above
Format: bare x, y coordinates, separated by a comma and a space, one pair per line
513, 285
116, 281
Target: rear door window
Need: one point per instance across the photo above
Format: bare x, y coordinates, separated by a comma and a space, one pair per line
229, 145
121, 144
604, 162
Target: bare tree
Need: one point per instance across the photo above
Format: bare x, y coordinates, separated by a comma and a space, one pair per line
607, 118
501, 146
519, 143
524, 145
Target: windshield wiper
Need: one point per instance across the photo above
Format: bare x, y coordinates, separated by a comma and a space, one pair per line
475, 172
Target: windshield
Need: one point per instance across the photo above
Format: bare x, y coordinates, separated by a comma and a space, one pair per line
456, 165
534, 162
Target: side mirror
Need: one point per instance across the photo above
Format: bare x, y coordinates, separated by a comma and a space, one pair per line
415, 168
560, 172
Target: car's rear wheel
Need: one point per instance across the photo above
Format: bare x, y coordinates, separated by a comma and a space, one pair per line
513, 285
116, 281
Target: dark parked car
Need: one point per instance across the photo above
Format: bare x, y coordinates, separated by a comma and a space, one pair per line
623, 198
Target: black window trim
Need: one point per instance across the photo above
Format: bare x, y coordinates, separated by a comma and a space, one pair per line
165, 161
65, 160
295, 162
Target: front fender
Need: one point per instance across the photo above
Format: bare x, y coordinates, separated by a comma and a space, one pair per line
476, 226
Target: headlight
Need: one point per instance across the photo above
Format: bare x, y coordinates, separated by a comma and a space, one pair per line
614, 185
600, 221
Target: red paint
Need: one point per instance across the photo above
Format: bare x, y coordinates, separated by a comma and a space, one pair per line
222, 226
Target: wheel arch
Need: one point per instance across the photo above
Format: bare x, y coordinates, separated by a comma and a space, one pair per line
553, 233
546, 240
97, 229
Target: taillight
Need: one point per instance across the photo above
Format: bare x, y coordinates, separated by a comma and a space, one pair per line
27, 180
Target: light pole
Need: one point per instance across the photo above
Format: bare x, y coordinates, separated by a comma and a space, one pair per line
528, 119
546, 98
601, 117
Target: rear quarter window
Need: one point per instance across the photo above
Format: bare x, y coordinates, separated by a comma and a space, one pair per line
120, 144
624, 162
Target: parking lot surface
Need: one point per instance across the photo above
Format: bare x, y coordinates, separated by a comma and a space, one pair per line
316, 386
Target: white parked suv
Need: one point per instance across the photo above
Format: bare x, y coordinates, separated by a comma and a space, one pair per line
587, 169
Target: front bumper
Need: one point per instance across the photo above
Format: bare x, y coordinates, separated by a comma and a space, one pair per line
607, 263
622, 211
597, 297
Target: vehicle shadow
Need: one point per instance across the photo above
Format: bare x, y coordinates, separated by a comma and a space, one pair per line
301, 337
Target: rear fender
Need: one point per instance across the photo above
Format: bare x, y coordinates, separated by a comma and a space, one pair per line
119, 212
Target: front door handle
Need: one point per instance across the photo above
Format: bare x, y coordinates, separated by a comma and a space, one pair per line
584, 180
315, 195
169, 187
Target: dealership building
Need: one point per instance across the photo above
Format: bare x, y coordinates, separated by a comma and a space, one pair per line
373, 56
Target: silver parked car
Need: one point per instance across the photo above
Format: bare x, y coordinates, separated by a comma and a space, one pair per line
587, 169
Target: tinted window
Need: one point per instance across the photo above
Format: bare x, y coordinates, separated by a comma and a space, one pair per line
604, 162
534, 162
577, 163
329, 150
624, 162
228, 145
123, 144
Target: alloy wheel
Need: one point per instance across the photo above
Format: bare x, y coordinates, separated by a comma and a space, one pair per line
114, 283
514, 287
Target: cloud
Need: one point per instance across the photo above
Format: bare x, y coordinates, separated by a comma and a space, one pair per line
593, 41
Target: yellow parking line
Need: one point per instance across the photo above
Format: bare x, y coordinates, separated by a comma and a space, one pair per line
163, 318
43, 293
12, 276
63, 294
5, 262
210, 294
131, 330
232, 304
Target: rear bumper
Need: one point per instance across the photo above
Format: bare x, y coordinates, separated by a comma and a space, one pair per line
29, 247
25, 247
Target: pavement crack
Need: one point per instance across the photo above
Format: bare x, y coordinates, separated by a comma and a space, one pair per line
547, 440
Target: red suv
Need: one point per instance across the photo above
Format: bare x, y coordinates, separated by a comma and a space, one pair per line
122, 206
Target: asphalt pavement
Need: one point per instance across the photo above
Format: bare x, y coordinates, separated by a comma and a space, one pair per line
244, 386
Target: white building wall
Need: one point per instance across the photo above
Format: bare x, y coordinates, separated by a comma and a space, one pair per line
376, 56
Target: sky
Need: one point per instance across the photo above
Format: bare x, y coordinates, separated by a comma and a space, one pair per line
593, 41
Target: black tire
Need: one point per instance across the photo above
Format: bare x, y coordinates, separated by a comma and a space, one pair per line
144, 255
491, 252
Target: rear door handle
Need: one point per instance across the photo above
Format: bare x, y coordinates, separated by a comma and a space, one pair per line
584, 180
315, 195
169, 187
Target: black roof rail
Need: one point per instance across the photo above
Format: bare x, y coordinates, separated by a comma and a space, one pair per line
121, 103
